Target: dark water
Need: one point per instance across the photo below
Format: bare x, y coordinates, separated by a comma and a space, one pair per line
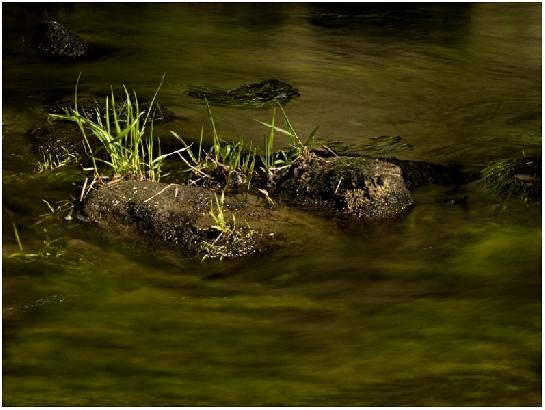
440, 307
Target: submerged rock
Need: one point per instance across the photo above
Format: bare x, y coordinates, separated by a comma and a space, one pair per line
53, 40
418, 173
90, 107
179, 216
415, 173
58, 140
514, 178
367, 188
262, 94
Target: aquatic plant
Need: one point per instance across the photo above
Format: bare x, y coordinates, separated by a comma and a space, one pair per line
277, 162
46, 250
51, 163
228, 163
258, 95
64, 207
518, 179
129, 153
228, 233
217, 215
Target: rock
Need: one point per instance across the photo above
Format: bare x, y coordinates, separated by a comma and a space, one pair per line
459, 201
53, 40
366, 188
178, 215
262, 94
418, 173
58, 140
91, 106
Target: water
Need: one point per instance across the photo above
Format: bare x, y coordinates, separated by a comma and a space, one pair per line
440, 307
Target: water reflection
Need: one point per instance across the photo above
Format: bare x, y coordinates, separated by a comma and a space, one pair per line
443, 23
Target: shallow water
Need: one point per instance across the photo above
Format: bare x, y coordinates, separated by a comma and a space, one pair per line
440, 307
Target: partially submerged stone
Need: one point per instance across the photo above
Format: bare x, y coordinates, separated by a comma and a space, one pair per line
58, 140
53, 40
419, 173
366, 188
91, 107
262, 94
178, 215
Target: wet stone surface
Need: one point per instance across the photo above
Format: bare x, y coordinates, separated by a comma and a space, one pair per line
366, 188
178, 216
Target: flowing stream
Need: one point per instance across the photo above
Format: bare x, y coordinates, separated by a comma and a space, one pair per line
440, 307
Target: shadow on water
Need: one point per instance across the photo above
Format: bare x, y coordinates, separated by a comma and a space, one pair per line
445, 23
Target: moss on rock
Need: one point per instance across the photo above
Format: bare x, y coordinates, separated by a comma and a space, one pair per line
366, 188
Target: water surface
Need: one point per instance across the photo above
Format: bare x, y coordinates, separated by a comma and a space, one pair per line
440, 307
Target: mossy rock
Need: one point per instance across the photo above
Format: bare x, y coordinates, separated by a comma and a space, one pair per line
513, 179
263, 94
366, 188
90, 107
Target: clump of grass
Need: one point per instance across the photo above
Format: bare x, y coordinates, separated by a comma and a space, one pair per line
228, 234
129, 154
218, 217
275, 163
510, 179
225, 162
230, 163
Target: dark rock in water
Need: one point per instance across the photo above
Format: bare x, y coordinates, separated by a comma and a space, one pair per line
514, 178
418, 173
59, 140
366, 188
263, 94
89, 107
178, 215
53, 40
460, 201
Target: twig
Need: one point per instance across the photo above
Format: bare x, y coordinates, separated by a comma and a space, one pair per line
338, 185
330, 150
159, 193
83, 189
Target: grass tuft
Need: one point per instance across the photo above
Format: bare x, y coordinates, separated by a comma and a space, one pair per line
129, 152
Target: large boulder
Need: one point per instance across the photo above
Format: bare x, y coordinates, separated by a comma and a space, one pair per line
53, 40
369, 189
